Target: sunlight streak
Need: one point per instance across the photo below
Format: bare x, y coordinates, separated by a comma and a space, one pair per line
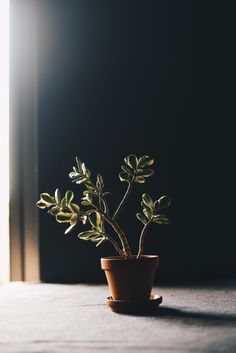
4, 140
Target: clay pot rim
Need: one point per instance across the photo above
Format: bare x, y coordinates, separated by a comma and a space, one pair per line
120, 258
119, 262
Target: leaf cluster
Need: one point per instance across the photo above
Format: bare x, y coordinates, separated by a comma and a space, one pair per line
64, 210
151, 210
67, 212
136, 169
97, 233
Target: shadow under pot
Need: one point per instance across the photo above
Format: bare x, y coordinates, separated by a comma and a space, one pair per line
130, 280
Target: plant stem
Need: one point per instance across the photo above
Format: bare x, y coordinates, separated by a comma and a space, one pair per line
114, 243
103, 202
126, 195
121, 234
141, 239
125, 245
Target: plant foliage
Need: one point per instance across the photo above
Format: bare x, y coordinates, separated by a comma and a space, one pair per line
93, 208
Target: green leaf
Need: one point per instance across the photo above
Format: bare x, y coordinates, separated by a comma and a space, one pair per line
89, 195
69, 197
125, 177
147, 200
57, 196
85, 203
79, 164
87, 235
74, 219
83, 218
41, 204
140, 180
163, 202
161, 219
54, 210
80, 181
127, 169
95, 220
145, 161
47, 199
141, 217
96, 239
70, 228
99, 241
147, 213
131, 160
73, 175
63, 217
84, 168
87, 200
146, 173
99, 182
88, 174
63, 203
74, 208
145, 206
89, 185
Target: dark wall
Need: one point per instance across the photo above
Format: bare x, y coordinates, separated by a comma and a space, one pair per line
143, 77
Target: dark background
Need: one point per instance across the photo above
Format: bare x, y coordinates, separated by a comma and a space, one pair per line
143, 77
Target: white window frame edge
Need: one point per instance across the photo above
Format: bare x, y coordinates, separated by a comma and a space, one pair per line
24, 234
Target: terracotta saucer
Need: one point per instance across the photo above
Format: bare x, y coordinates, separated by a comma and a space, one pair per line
126, 307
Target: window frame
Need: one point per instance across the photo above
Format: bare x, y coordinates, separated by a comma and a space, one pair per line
24, 238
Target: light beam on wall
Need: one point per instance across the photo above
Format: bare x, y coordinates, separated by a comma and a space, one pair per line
4, 140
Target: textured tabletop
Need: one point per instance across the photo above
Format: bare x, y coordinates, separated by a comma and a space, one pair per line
72, 318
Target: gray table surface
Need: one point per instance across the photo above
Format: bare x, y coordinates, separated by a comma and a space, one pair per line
47, 318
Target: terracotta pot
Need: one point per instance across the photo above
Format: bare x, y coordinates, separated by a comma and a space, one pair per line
130, 279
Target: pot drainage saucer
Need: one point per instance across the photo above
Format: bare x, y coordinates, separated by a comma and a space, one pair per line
136, 307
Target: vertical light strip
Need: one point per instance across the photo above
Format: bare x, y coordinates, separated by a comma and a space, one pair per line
4, 140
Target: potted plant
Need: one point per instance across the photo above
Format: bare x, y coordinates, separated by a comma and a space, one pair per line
130, 276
